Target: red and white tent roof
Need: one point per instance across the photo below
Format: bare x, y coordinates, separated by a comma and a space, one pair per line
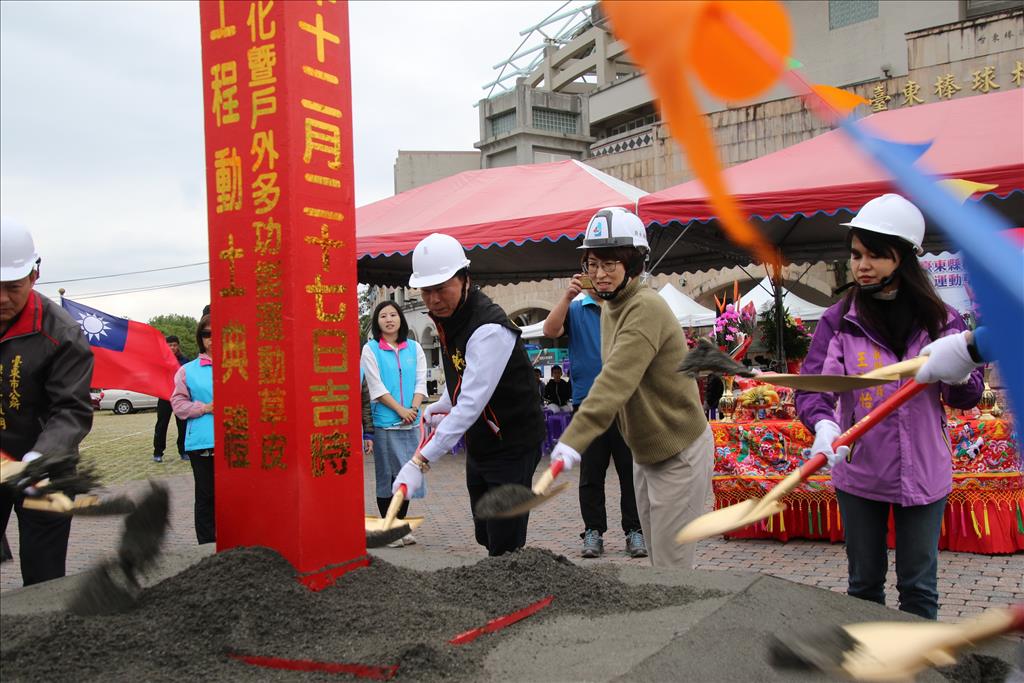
493, 207
978, 138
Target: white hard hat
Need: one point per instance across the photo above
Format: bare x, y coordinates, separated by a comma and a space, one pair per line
436, 259
891, 214
17, 251
615, 227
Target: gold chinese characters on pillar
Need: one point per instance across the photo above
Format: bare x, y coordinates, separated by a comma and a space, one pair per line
282, 246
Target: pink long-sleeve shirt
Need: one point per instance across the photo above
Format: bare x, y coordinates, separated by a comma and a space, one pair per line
181, 400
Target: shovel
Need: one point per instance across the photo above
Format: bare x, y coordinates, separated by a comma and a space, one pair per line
756, 509
839, 383
706, 358
891, 651
113, 586
512, 500
380, 532
82, 505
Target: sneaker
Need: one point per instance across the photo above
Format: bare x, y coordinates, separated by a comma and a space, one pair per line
158, 458
408, 539
635, 545
184, 458
593, 544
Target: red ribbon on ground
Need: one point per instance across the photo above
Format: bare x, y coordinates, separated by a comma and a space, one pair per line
377, 673
501, 622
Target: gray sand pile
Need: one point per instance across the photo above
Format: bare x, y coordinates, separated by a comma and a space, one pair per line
247, 601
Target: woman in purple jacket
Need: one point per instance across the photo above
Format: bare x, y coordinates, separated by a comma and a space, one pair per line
904, 464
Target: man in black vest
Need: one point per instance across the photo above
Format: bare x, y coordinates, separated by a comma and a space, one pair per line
490, 389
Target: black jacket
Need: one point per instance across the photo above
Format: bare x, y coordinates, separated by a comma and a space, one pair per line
515, 407
45, 370
558, 393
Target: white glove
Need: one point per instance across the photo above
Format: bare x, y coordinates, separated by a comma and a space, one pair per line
948, 361
567, 455
825, 434
411, 476
432, 415
31, 491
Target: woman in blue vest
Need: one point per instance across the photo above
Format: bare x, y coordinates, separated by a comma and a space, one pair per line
396, 374
192, 401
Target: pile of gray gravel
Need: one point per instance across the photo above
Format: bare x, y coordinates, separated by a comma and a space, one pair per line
247, 601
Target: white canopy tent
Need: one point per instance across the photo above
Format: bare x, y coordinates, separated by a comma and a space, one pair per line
687, 311
763, 298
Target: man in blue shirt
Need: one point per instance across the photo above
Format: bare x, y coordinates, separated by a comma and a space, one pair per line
579, 318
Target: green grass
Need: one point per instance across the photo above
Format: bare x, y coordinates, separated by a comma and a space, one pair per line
121, 448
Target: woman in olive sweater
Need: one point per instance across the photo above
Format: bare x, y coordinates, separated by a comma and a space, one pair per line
659, 411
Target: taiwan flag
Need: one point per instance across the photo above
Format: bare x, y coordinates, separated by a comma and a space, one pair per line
128, 355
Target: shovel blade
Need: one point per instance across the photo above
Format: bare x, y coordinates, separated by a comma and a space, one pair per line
727, 519
379, 539
513, 500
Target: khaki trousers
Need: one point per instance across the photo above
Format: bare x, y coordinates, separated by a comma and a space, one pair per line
669, 495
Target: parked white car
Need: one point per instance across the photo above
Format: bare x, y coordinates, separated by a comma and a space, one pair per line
123, 402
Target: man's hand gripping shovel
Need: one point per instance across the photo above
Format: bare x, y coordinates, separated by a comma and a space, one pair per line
380, 532
756, 509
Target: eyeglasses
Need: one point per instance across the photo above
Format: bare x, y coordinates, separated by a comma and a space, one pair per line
606, 266
206, 334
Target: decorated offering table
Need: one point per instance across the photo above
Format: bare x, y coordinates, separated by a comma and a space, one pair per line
985, 513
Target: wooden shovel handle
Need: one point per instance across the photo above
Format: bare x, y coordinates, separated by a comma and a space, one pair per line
51, 502
1018, 617
395, 506
993, 622
817, 461
548, 477
10, 468
905, 368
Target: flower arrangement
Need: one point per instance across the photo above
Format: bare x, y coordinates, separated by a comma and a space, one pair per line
795, 337
733, 325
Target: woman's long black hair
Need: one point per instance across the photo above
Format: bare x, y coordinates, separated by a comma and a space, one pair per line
403, 326
919, 297
203, 324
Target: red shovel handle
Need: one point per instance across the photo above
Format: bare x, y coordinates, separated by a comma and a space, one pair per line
881, 411
557, 467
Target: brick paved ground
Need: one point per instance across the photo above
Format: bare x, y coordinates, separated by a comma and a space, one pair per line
122, 448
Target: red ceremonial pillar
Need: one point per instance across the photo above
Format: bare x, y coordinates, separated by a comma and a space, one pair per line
277, 111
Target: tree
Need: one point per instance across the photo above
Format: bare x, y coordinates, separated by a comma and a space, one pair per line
365, 310
182, 326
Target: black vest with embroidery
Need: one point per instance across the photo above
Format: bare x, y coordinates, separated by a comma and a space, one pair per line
513, 418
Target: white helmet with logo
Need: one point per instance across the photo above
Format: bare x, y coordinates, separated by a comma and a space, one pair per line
436, 259
893, 215
18, 255
615, 227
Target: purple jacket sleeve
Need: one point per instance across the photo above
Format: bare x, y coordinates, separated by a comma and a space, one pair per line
813, 406
968, 394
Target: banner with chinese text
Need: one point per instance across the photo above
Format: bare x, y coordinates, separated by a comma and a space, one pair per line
277, 113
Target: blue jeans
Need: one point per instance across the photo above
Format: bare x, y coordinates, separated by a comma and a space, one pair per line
917, 551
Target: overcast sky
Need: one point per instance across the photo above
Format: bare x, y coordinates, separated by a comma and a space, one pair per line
101, 139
